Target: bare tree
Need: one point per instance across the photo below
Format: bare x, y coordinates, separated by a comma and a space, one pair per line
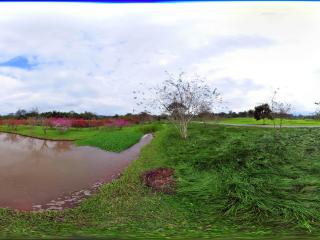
317, 112
44, 123
182, 99
280, 111
32, 122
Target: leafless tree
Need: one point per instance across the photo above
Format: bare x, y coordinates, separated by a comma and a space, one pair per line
279, 110
317, 112
32, 122
182, 99
44, 123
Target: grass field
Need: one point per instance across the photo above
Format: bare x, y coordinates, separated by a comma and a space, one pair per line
231, 181
109, 139
289, 122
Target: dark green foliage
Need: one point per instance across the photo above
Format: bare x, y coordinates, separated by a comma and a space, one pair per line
262, 111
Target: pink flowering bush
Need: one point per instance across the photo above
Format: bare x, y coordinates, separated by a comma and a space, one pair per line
80, 123
61, 124
120, 123
108, 123
14, 123
95, 123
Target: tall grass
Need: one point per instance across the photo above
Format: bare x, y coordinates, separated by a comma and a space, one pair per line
244, 175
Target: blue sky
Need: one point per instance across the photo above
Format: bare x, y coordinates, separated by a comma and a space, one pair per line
19, 62
90, 57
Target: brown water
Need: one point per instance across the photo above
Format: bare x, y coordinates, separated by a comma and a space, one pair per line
34, 171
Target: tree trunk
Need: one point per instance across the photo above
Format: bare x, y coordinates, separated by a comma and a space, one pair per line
205, 124
184, 130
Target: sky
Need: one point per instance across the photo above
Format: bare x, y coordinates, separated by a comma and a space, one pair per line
92, 56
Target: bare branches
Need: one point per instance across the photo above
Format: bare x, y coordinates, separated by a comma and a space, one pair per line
280, 110
182, 99
317, 112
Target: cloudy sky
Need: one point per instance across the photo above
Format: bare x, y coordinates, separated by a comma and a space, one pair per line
85, 56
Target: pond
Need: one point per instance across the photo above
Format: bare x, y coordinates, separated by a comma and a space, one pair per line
34, 172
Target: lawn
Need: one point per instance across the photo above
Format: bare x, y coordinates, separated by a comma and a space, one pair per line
289, 122
231, 181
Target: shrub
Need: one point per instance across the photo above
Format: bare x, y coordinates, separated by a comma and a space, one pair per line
150, 128
61, 124
120, 123
79, 123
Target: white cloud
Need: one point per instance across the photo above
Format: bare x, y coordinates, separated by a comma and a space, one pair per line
92, 56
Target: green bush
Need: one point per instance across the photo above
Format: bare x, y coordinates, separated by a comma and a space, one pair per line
150, 128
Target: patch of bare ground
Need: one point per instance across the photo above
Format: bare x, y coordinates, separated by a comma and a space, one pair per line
160, 180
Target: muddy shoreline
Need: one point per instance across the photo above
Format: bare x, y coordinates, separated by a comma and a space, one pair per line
39, 175
73, 199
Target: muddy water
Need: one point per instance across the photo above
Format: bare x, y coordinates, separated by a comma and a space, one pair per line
34, 171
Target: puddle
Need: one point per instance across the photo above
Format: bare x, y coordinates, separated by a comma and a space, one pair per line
34, 172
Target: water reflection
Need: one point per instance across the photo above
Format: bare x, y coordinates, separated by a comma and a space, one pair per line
12, 138
34, 171
61, 146
34, 144
44, 147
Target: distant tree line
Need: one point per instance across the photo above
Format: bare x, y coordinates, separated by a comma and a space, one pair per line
34, 113
249, 113
23, 114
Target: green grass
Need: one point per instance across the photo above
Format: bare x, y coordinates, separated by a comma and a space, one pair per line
231, 181
289, 122
109, 139
247, 177
37, 131
112, 140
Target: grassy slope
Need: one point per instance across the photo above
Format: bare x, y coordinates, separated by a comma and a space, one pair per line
297, 122
231, 181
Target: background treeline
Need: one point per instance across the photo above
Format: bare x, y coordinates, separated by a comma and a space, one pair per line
250, 114
34, 113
